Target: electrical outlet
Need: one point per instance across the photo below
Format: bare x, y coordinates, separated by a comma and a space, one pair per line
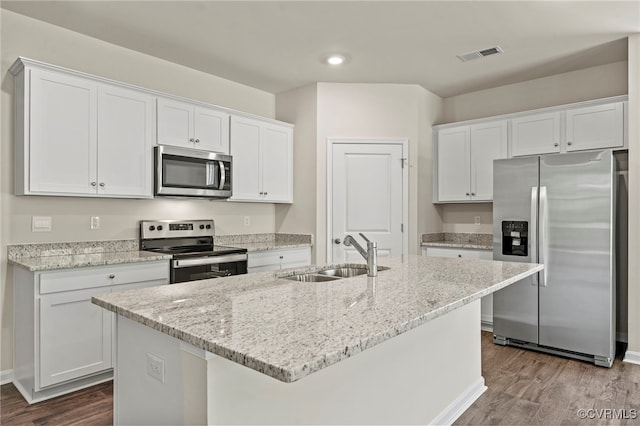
247, 221
95, 222
155, 367
476, 220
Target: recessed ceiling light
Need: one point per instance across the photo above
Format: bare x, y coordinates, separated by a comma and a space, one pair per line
336, 59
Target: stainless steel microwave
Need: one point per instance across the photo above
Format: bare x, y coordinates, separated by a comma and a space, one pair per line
184, 172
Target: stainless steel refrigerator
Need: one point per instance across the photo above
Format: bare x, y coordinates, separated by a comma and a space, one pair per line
558, 210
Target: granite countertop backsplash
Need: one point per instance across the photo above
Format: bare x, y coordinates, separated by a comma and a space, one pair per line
458, 240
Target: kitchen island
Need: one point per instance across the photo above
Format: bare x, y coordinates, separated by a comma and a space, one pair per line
400, 348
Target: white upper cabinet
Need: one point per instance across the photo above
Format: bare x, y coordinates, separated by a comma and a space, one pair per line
465, 157
79, 137
58, 140
262, 161
535, 134
192, 126
454, 164
488, 143
125, 142
592, 127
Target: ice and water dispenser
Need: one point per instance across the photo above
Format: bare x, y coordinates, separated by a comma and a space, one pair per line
515, 236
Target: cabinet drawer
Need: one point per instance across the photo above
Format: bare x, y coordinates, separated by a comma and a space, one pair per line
457, 252
99, 276
294, 256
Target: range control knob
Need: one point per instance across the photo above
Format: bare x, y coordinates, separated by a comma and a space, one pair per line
159, 227
208, 226
201, 226
152, 228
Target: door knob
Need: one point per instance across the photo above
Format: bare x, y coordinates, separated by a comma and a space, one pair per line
337, 241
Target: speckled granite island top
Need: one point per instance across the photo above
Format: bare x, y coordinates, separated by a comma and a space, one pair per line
288, 329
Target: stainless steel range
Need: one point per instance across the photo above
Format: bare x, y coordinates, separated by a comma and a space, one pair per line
190, 243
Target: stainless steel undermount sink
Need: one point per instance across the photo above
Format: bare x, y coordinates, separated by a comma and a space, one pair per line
348, 271
332, 274
311, 278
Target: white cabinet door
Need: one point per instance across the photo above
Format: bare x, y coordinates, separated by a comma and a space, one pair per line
277, 164
594, 127
535, 134
247, 166
453, 164
63, 128
75, 336
192, 126
488, 143
125, 142
262, 161
211, 130
175, 123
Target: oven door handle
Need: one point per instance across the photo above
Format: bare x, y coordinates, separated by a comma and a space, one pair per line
211, 260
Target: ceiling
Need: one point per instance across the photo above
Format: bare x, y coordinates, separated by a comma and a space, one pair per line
279, 45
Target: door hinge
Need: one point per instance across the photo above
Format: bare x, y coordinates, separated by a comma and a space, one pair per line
402, 227
402, 160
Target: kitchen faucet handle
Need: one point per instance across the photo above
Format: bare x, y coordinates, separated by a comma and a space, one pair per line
365, 238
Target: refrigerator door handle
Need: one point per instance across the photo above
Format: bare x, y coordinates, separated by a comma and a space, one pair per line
534, 230
543, 235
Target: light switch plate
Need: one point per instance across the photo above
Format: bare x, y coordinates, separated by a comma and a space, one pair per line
41, 224
95, 222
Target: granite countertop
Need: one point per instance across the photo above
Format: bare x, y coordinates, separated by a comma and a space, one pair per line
48, 263
261, 242
458, 240
288, 329
52, 256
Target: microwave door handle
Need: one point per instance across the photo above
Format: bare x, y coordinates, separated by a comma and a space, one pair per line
209, 169
223, 174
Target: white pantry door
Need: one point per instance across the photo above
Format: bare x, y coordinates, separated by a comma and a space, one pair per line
367, 197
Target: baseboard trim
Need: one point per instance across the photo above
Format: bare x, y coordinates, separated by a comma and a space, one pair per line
6, 376
460, 405
486, 326
632, 357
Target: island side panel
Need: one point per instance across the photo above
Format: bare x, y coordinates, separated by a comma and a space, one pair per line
426, 375
431, 373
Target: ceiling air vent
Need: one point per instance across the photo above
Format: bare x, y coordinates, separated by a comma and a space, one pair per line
477, 54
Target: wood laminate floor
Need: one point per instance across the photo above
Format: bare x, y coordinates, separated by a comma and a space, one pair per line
531, 388
92, 406
525, 388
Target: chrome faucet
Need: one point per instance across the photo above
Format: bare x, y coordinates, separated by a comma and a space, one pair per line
370, 255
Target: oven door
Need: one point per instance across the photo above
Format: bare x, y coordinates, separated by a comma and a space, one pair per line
192, 173
203, 268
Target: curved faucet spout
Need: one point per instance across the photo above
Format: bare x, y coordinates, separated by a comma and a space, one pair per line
370, 255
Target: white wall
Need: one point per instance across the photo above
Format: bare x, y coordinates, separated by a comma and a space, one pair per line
300, 106
590, 83
22, 36
380, 111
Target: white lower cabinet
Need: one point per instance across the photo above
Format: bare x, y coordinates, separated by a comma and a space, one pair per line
63, 341
276, 259
486, 303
